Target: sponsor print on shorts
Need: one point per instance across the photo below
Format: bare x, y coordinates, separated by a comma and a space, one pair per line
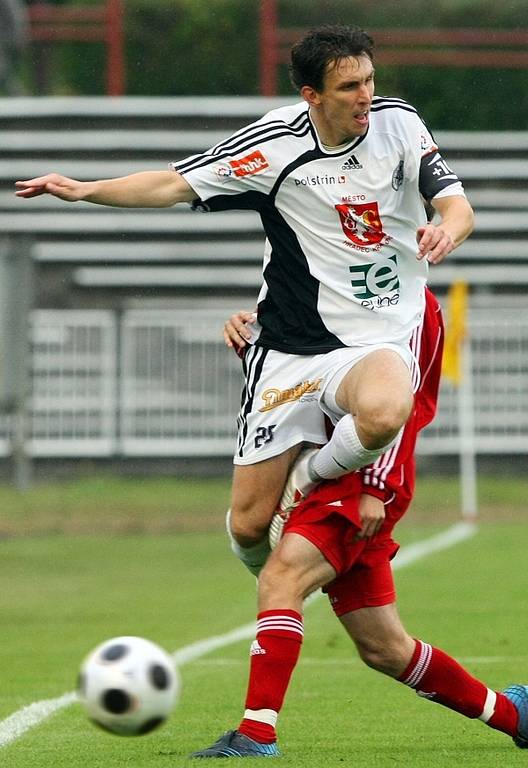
273, 397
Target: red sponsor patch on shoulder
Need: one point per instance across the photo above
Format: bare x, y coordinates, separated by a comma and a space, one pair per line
247, 166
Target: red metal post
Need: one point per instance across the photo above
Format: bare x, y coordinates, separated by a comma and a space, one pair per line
115, 61
268, 47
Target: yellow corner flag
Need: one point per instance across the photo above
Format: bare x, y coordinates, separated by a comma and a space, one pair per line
457, 301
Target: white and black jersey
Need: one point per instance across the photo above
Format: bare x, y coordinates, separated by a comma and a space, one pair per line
341, 222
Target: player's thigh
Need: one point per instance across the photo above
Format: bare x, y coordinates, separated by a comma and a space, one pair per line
382, 377
256, 491
365, 371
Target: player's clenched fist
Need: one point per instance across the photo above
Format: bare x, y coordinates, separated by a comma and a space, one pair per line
235, 332
52, 184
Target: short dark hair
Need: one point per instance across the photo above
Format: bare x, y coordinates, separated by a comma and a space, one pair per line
323, 45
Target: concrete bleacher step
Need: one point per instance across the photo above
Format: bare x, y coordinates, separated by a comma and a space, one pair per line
13, 169
151, 252
116, 221
494, 198
180, 221
242, 278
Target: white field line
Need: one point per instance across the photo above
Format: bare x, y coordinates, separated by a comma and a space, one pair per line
21, 721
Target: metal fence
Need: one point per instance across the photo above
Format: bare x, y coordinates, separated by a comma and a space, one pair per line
161, 383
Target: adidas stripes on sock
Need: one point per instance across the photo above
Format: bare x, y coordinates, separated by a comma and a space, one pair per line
438, 677
274, 654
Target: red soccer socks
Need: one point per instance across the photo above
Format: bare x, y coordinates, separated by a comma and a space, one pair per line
274, 654
436, 676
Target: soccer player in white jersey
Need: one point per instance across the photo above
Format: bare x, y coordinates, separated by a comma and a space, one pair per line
338, 180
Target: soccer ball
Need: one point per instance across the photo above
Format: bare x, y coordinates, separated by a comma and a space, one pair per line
128, 685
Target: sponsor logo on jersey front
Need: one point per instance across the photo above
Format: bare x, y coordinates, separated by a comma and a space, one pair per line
250, 164
323, 179
361, 223
377, 284
274, 397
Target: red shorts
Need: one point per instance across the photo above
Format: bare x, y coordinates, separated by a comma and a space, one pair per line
364, 574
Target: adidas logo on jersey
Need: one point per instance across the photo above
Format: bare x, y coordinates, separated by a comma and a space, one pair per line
352, 164
256, 649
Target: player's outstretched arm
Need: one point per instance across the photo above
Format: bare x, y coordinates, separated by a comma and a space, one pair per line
435, 241
149, 189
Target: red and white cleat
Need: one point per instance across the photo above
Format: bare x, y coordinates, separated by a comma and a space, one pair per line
298, 485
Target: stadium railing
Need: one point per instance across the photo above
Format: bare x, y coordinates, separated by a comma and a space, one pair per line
147, 382
434, 47
103, 22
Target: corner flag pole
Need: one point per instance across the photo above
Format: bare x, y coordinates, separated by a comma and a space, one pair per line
466, 430
457, 367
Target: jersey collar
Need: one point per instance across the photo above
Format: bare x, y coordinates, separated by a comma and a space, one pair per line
337, 151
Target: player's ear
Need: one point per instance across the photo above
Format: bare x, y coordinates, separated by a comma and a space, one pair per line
310, 95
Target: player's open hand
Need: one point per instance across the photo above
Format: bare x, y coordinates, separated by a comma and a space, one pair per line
371, 514
236, 333
434, 243
51, 184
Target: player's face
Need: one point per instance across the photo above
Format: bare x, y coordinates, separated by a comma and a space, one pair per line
341, 109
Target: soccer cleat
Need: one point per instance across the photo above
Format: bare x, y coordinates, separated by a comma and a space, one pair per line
518, 695
299, 483
235, 744
276, 529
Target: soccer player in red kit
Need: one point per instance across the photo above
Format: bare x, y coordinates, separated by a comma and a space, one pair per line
324, 545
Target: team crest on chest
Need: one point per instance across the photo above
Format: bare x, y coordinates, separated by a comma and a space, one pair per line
361, 223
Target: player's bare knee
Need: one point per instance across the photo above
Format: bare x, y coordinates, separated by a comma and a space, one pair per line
389, 658
379, 423
249, 524
276, 590
281, 578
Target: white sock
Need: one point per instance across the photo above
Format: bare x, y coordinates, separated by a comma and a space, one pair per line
253, 557
343, 453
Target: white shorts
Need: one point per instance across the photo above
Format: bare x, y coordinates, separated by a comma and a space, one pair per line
286, 397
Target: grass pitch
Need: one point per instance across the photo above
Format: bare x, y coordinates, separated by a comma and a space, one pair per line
105, 557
